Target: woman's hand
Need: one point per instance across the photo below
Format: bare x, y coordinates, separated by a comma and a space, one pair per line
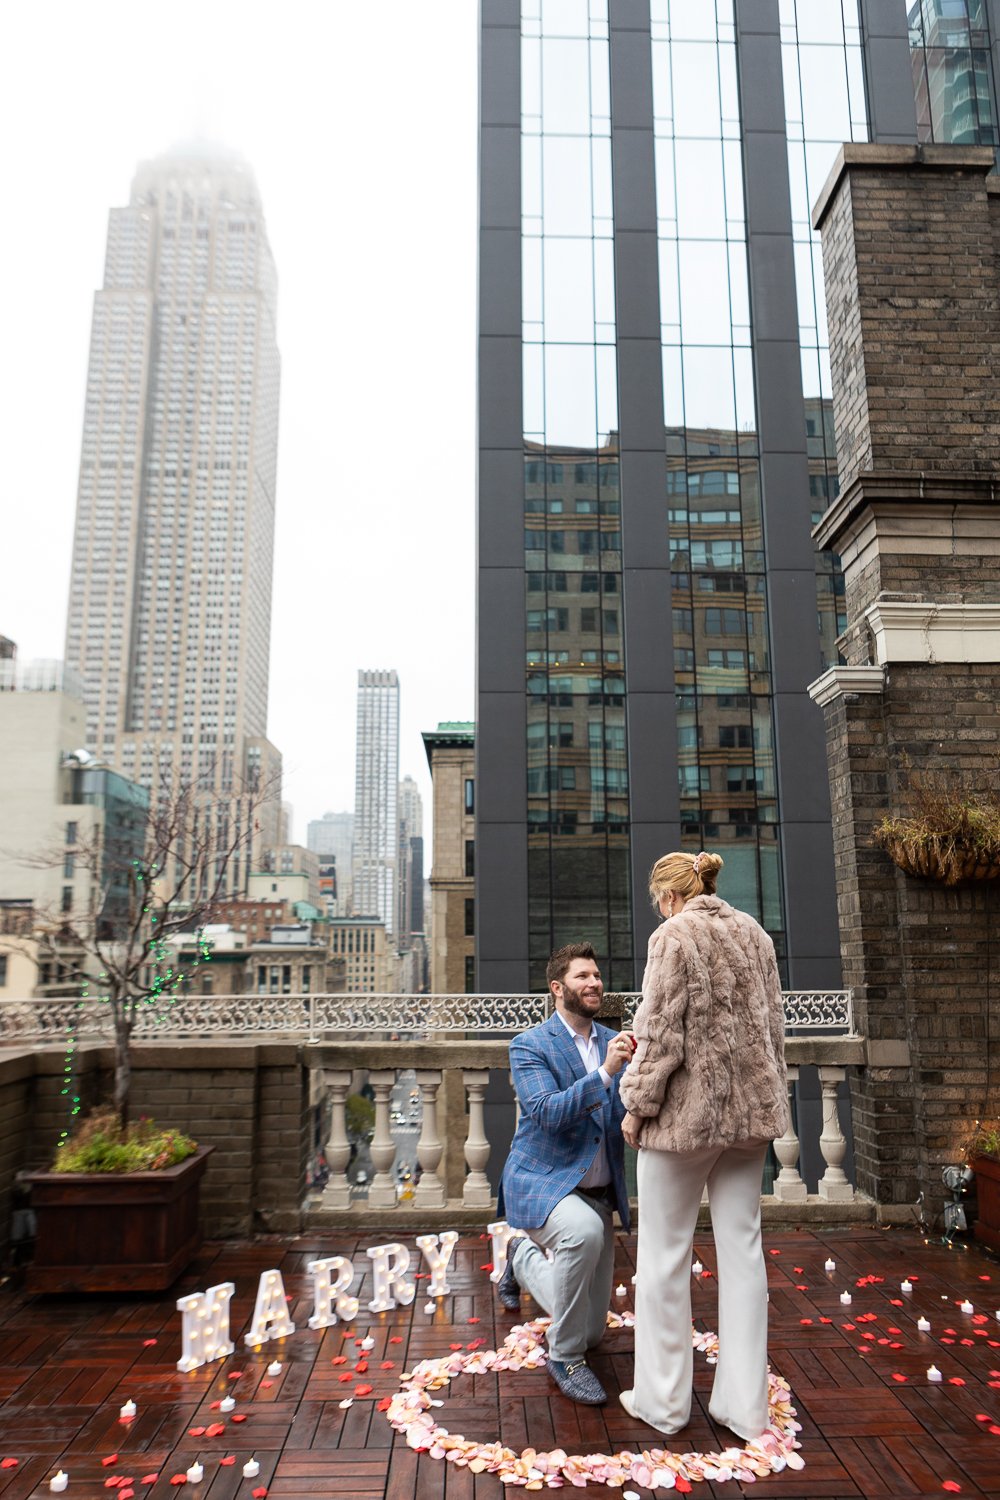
631, 1128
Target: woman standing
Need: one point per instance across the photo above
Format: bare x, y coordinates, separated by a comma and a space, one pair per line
706, 1091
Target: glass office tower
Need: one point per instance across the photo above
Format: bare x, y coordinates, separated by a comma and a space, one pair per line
656, 442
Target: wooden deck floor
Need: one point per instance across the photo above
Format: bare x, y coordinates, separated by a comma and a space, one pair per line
68, 1364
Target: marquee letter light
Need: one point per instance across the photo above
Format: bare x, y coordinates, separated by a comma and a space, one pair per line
205, 1327
389, 1264
270, 1316
438, 1260
500, 1235
330, 1299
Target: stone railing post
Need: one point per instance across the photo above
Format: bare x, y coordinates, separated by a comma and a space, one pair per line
788, 1186
429, 1191
382, 1193
476, 1191
833, 1185
337, 1193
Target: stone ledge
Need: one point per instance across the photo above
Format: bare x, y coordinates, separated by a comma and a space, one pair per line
910, 631
910, 489
882, 157
840, 680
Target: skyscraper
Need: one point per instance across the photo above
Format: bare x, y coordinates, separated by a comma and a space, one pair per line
411, 862
655, 445
170, 590
376, 787
332, 837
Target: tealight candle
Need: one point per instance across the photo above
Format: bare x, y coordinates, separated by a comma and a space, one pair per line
906, 1286
966, 1306
251, 1469
127, 1412
845, 1298
274, 1368
620, 1289
933, 1373
829, 1265
697, 1268
227, 1403
430, 1307
923, 1325
196, 1473
368, 1343
59, 1481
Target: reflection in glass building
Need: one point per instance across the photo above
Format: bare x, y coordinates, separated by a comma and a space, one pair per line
656, 443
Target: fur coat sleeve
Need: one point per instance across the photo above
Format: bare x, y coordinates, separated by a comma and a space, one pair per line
658, 1027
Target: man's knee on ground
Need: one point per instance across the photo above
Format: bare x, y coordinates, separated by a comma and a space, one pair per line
586, 1239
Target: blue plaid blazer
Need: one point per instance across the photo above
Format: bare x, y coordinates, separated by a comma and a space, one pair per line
564, 1112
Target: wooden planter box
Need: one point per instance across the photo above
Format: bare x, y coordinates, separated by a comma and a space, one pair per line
942, 861
987, 1227
110, 1231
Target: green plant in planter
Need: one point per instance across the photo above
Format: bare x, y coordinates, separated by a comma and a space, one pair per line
951, 834
102, 1143
986, 1142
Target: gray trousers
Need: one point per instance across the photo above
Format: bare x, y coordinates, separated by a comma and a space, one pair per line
574, 1287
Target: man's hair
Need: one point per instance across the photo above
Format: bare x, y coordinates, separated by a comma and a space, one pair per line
561, 959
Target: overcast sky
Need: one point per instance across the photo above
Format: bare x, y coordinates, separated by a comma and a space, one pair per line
359, 122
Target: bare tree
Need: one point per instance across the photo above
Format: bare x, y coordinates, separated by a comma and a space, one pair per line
155, 875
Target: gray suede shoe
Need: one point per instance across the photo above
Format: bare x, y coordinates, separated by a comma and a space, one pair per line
578, 1382
508, 1287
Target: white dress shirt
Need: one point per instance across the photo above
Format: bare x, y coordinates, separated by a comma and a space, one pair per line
599, 1173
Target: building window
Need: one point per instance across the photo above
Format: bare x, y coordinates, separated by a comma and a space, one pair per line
71, 833
470, 856
470, 974
306, 977
69, 865
67, 898
3, 969
470, 795
470, 916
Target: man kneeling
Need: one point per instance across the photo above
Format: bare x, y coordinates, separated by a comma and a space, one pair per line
565, 1174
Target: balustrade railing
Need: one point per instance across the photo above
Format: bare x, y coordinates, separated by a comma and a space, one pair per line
313, 1017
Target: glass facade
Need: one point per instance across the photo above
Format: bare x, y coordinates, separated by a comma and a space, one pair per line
952, 75
725, 757
576, 753
593, 785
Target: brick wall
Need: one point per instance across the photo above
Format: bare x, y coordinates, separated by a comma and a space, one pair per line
250, 1102
910, 256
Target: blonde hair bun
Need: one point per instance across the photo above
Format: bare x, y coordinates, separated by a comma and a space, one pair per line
688, 874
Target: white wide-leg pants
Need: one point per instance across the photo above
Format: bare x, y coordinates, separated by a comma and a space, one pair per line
670, 1189
574, 1287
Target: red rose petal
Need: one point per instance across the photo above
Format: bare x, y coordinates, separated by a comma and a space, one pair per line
363, 1390
345, 1377
107, 1462
473, 1320
895, 1344
985, 1278
896, 1301
266, 1385
339, 1359
982, 1417
454, 1346
770, 1252
234, 1375
126, 1494
894, 1330
487, 1266
238, 1416
388, 1364
260, 1493
396, 1339
799, 1270
384, 1404
196, 1432
951, 1487
847, 1327
215, 1429
113, 1482
149, 1478
12, 1463
995, 1431
214, 1406
955, 1380
805, 1321
230, 1458
802, 1289
900, 1378
681, 1484
361, 1367
148, 1343
178, 1479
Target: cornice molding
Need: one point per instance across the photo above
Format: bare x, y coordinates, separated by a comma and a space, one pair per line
841, 680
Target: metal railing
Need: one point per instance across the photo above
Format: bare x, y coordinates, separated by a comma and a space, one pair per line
311, 1018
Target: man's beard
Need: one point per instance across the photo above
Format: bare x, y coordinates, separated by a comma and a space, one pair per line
577, 1005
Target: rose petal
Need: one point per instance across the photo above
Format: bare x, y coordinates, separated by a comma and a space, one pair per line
266, 1385
900, 1378
345, 1377
339, 1359
215, 1429
384, 1404
396, 1339
148, 1343
955, 1380
474, 1320
235, 1375
196, 1432
151, 1478
107, 1462
12, 1463
259, 1493
230, 1458
951, 1487
126, 1494
178, 1479
361, 1367
363, 1390
238, 1416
